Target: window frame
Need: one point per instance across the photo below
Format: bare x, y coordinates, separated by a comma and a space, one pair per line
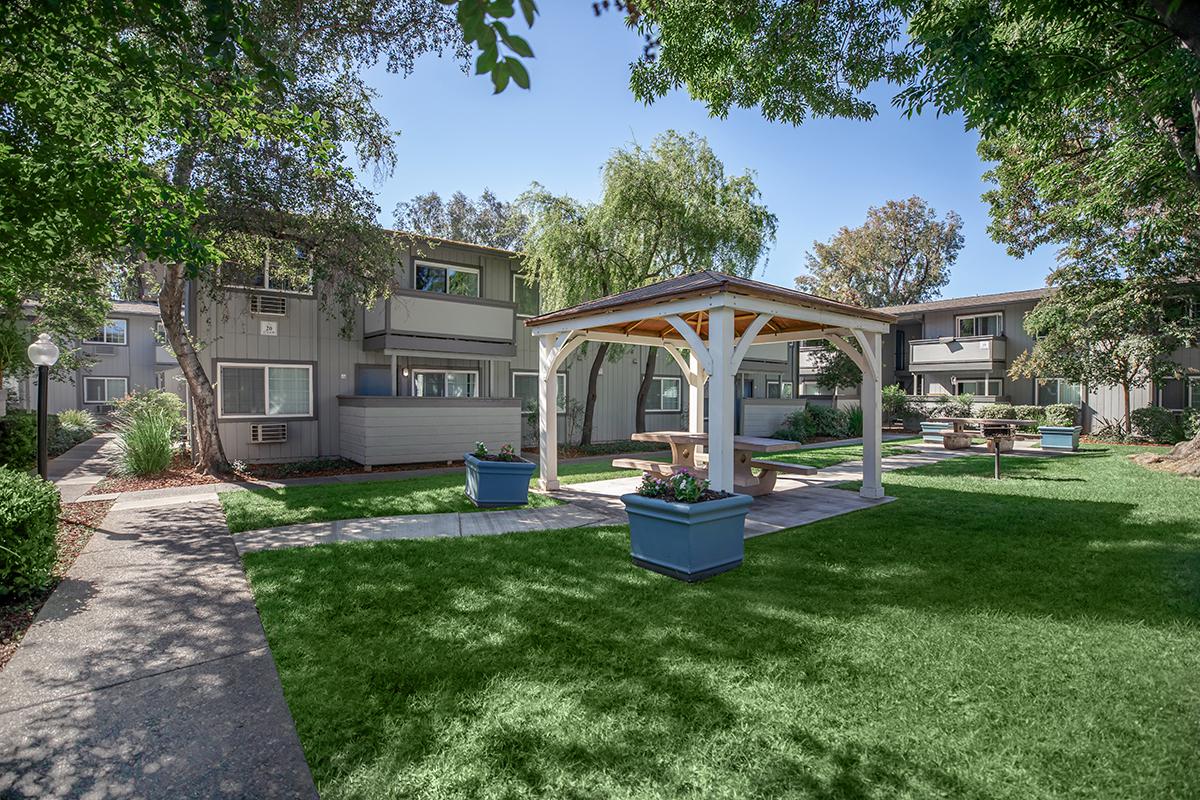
779, 381
104, 333
1193, 391
105, 378
524, 373
985, 381
266, 287
958, 318
1040, 383
418, 263
266, 368
678, 395
517, 306
435, 371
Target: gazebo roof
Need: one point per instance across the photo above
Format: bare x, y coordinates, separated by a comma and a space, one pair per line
699, 285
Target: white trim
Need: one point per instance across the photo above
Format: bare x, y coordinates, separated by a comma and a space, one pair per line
446, 371
678, 395
107, 399
266, 368
516, 306
418, 263
999, 328
104, 330
562, 396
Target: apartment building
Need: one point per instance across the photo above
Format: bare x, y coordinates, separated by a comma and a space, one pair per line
444, 362
123, 356
966, 345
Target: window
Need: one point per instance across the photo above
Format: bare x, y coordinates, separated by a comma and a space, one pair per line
115, 331
283, 270
991, 324
444, 279
104, 390
664, 394
439, 383
265, 390
1193, 392
525, 295
779, 389
811, 389
809, 343
1057, 390
901, 350
525, 389
985, 387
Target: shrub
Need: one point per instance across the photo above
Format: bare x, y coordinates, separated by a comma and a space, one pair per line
147, 443
1110, 430
69, 428
1061, 414
78, 419
955, 406
995, 411
854, 421
895, 402
1156, 424
1191, 423
152, 401
795, 427
826, 421
18, 440
28, 529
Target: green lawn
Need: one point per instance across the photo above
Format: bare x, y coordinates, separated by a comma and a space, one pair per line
268, 508
829, 456
1036, 637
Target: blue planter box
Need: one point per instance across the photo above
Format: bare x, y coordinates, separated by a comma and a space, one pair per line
687, 541
498, 483
932, 431
1060, 437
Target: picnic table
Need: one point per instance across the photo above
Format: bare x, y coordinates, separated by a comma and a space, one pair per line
684, 455
1000, 433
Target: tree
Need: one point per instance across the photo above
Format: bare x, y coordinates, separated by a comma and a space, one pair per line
487, 221
1100, 328
901, 254
666, 210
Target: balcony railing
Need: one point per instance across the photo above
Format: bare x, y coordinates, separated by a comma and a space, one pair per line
442, 323
973, 351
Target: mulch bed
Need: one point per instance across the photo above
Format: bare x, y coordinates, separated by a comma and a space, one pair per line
75, 526
180, 473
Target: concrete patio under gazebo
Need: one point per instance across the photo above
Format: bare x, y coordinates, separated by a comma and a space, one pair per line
707, 322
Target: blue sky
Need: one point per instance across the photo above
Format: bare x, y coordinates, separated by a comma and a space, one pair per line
454, 134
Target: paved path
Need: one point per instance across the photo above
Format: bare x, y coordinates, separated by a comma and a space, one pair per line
147, 674
83, 466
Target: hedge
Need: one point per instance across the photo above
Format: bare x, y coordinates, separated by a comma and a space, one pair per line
28, 530
18, 440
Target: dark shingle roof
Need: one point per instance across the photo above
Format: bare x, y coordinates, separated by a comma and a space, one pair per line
707, 282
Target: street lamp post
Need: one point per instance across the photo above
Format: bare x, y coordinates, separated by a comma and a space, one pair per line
43, 353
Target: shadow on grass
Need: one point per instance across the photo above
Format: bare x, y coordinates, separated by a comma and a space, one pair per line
544, 664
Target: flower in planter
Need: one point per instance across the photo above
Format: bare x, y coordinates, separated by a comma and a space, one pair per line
481, 450
507, 453
681, 487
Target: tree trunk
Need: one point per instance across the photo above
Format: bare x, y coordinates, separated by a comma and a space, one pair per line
589, 408
1128, 413
639, 421
208, 454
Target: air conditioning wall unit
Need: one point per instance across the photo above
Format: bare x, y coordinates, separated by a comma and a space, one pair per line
268, 433
271, 305
104, 349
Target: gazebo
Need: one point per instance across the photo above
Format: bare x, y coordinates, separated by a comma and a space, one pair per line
715, 318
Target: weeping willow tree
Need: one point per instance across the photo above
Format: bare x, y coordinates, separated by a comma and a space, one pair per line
666, 210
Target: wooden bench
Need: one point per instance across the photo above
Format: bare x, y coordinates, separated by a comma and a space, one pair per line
657, 467
783, 466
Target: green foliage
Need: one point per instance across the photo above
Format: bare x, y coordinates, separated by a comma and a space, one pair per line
901, 254
1157, 425
854, 421
1034, 414
679, 487
1191, 423
152, 402
79, 419
18, 440
896, 402
69, 428
816, 420
795, 427
834, 368
28, 528
147, 443
955, 406
1065, 414
483, 25
488, 221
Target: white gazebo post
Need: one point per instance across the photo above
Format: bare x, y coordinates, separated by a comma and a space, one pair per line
720, 399
696, 378
872, 406
547, 415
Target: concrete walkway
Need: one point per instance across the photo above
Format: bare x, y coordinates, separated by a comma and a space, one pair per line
147, 674
83, 466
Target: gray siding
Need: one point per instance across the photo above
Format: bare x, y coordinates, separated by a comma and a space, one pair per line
406, 430
762, 417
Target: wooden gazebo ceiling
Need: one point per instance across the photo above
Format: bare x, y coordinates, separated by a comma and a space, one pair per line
659, 328
701, 284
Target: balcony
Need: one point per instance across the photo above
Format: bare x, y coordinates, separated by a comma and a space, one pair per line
972, 352
441, 324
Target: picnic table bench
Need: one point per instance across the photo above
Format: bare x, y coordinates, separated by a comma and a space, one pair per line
1000, 433
684, 455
